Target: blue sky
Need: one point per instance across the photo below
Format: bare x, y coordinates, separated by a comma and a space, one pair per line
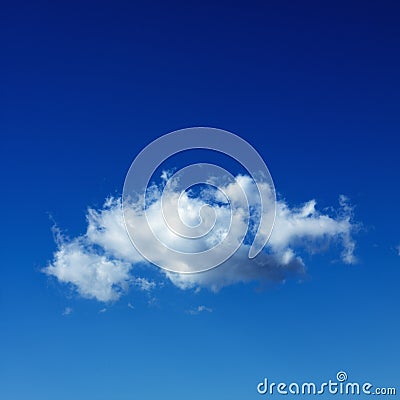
87, 85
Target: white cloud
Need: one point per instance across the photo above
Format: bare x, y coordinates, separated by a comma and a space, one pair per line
305, 226
199, 310
67, 311
93, 274
98, 264
144, 284
106, 229
101, 264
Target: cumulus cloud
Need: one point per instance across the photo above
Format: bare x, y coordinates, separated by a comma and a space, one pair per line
93, 273
96, 271
102, 263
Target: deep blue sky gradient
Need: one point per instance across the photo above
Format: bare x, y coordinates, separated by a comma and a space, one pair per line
86, 85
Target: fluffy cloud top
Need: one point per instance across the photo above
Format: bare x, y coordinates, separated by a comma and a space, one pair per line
101, 263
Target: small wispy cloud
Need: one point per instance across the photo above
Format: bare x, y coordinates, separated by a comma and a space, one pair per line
131, 306
199, 309
67, 311
398, 249
103, 310
144, 284
152, 301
